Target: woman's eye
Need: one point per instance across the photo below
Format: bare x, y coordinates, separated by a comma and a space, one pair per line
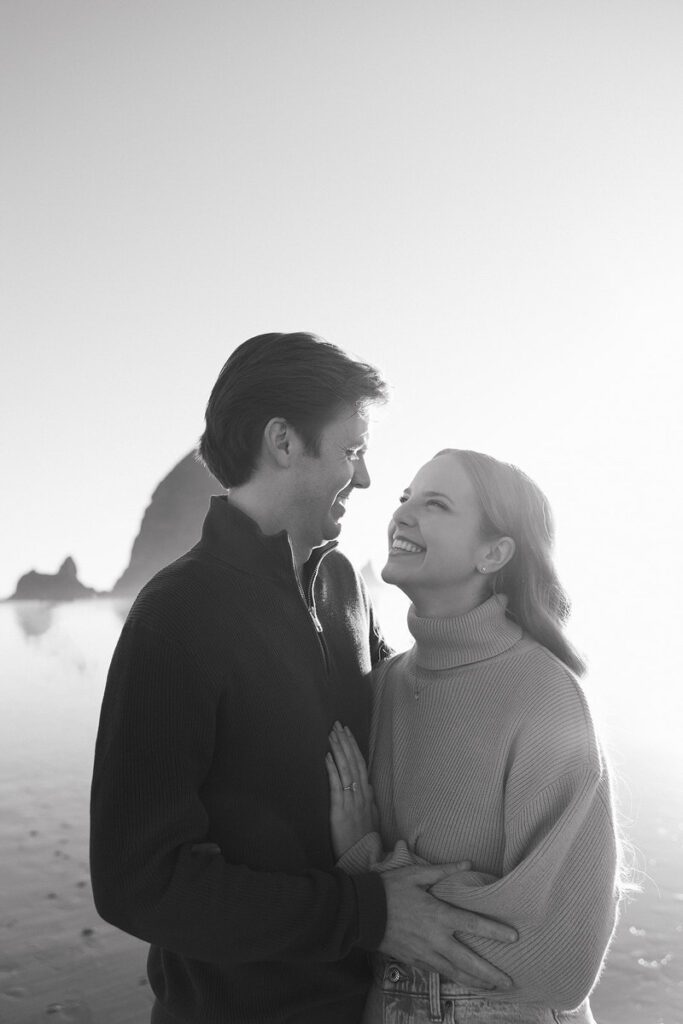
436, 504
353, 454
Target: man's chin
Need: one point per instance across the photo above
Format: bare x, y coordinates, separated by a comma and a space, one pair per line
333, 530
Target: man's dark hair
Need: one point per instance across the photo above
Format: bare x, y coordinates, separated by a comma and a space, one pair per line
298, 377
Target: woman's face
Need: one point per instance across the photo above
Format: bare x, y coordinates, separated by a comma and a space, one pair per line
435, 541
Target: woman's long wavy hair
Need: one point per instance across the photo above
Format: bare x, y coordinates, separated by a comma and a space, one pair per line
512, 505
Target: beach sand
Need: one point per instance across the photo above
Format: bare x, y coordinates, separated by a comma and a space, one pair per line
60, 962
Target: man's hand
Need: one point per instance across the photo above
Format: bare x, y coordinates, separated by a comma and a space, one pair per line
420, 929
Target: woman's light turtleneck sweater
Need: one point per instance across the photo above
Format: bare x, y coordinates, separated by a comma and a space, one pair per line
483, 749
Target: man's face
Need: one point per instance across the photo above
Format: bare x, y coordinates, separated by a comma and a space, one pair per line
322, 483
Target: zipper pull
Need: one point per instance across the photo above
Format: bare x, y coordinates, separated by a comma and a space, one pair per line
316, 620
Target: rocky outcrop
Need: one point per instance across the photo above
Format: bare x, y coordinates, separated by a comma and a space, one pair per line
172, 523
63, 585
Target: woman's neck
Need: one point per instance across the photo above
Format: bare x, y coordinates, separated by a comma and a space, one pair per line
436, 604
443, 642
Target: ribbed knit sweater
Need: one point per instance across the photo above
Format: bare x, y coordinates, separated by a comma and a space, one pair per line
483, 749
210, 808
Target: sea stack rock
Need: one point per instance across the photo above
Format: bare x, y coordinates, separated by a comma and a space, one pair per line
171, 525
63, 585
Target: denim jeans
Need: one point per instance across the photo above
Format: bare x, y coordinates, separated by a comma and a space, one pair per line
409, 995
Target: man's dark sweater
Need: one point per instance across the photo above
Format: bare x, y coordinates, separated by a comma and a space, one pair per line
209, 819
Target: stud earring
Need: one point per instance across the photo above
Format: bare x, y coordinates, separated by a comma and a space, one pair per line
483, 568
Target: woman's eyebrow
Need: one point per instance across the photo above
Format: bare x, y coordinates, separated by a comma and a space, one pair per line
438, 494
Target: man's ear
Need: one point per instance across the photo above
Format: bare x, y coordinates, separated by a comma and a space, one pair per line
277, 441
498, 554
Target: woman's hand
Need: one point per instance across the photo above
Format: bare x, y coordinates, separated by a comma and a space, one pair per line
353, 811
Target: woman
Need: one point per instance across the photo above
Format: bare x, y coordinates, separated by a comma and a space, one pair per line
483, 751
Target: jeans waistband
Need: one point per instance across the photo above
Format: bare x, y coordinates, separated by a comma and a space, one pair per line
418, 981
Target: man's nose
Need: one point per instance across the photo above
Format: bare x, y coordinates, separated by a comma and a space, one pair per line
361, 477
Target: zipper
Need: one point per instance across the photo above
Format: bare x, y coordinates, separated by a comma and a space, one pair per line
316, 620
310, 609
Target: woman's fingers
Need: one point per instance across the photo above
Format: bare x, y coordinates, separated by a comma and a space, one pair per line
341, 760
352, 754
356, 758
355, 754
333, 776
350, 764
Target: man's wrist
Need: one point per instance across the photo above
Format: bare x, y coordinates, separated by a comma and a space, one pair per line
372, 910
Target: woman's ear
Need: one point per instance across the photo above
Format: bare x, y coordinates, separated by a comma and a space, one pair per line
498, 554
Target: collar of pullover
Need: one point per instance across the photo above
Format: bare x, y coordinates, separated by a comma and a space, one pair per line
232, 536
482, 633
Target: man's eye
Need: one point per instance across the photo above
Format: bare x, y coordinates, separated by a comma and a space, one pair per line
402, 500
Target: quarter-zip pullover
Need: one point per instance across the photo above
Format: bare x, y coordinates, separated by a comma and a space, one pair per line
210, 808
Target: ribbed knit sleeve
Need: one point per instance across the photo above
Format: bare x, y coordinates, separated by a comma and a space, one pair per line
560, 896
153, 873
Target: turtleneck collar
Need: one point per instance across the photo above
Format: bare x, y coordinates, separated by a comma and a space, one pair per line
481, 633
234, 537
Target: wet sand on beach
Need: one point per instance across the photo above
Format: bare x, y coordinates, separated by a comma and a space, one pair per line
60, 962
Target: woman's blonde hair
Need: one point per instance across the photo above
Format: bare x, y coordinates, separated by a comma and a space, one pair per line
512, 505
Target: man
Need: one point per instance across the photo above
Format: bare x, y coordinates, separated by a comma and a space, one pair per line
210, 830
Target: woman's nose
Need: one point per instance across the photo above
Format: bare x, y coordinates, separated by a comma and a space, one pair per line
404, 514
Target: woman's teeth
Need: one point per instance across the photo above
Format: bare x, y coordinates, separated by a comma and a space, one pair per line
405, 545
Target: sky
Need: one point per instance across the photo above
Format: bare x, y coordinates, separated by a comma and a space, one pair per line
484, 198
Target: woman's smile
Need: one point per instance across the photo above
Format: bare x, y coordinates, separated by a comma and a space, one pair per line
403, 546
